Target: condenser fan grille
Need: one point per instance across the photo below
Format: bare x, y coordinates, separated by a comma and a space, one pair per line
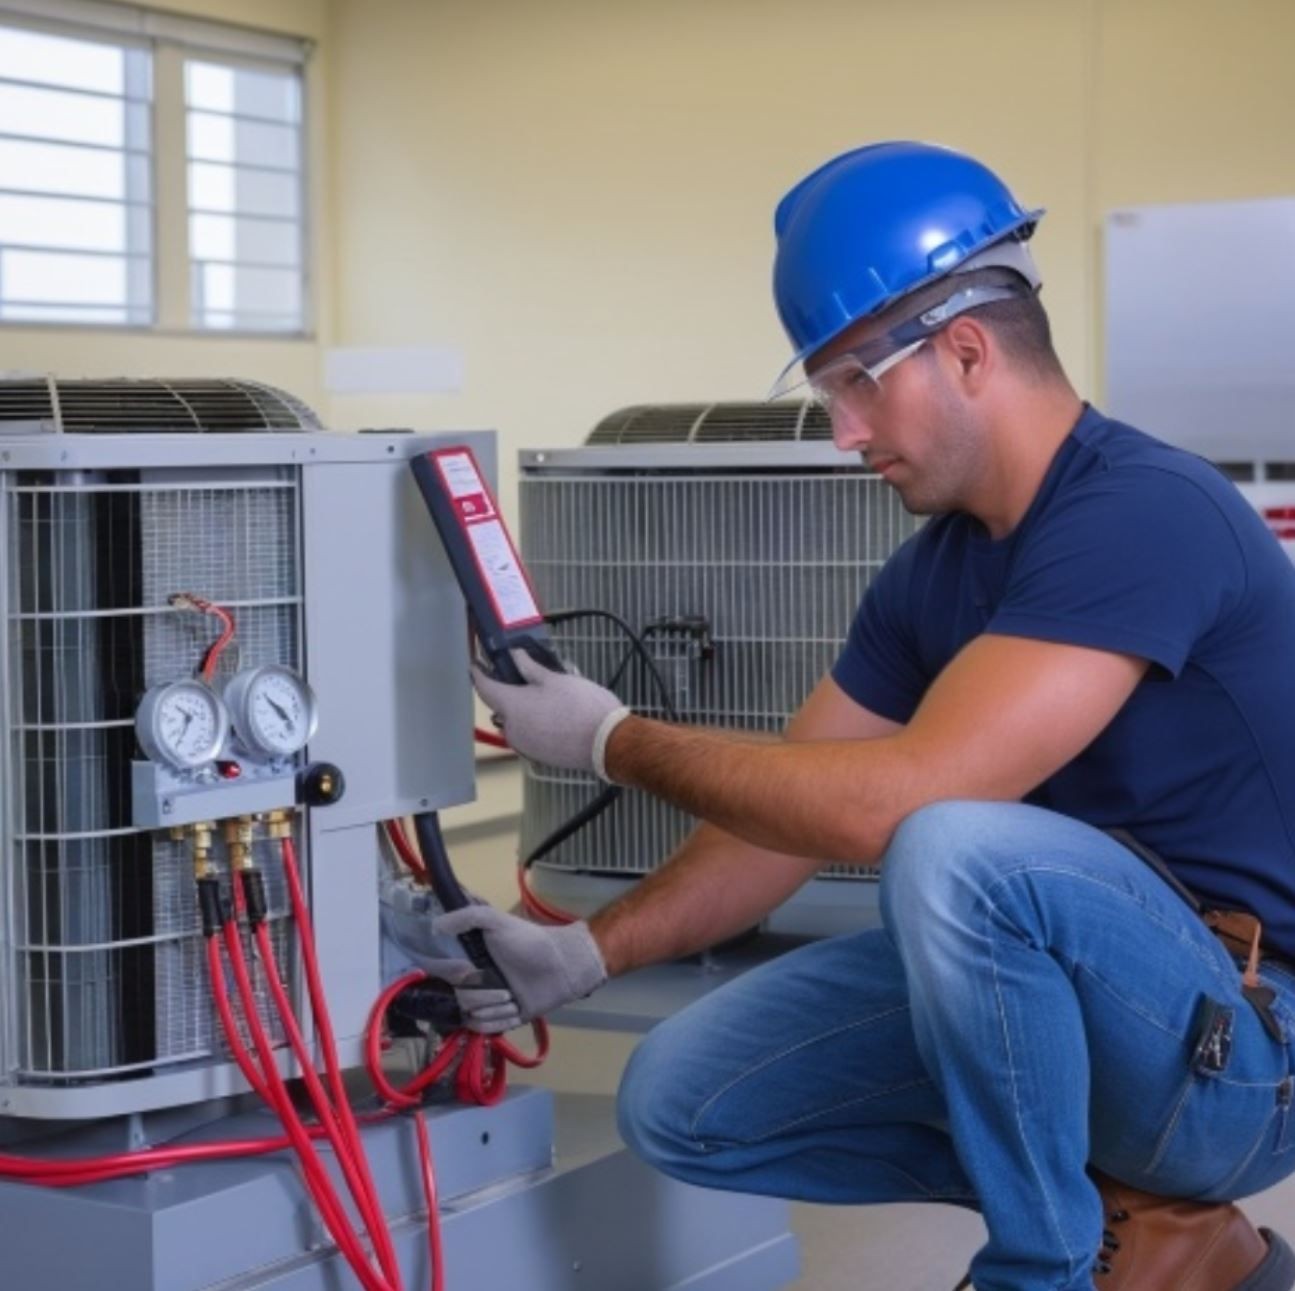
123, 406
713, 423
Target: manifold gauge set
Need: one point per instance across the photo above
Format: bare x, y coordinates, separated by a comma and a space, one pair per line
269, 711
242, 746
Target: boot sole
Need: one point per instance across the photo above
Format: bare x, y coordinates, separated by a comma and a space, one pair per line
1277, 1272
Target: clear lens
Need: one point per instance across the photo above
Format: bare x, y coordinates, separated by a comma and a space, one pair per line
849, 376
841, 378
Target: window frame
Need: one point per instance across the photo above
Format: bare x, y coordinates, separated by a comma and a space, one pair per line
303, 222
171, 41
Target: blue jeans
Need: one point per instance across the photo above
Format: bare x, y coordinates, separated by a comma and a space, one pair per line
1031, 1006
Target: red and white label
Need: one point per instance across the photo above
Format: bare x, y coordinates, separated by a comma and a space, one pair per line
491, 544
1281, 520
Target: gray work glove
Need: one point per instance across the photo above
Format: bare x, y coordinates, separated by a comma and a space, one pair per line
556, 718
407, 911
542, 967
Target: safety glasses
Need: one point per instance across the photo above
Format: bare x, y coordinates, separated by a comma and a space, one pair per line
850, 374
859, 370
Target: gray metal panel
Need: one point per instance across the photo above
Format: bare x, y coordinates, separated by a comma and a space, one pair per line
136, 452
203, 1226
387, 640
721, 458
344, 911
598, 1221
1200, 308
196, 1083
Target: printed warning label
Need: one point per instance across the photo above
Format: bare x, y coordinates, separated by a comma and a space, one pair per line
461, 476
503, 573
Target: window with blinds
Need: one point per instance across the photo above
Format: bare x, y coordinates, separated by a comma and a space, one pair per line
245, 197
76, 211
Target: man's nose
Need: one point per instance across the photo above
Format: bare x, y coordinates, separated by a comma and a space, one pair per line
851, 432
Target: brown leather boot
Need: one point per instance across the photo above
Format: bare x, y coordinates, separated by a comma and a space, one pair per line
1156, 1243
1164, 1244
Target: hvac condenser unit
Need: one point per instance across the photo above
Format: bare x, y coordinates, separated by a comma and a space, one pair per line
739, 540
114, 497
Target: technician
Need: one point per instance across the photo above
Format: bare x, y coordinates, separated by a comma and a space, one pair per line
1093, 632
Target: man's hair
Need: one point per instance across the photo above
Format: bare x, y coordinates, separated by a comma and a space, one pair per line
1020, 324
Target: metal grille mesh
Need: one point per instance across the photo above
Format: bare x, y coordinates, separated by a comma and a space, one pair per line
109, 979
130, 406
775, 562
712, 423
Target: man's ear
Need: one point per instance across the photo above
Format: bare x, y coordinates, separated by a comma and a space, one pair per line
969, 342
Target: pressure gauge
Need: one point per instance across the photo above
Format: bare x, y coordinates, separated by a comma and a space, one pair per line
182, 724
272, 709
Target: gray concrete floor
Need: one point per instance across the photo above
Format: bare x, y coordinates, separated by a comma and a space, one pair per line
855, 1248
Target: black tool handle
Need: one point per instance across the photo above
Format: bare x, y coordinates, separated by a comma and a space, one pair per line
450, 893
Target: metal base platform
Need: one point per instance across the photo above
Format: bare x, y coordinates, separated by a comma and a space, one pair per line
513, 1213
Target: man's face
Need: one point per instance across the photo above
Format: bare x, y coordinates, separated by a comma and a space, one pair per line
912, 425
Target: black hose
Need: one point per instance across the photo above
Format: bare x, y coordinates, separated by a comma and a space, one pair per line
451, 893
636, 643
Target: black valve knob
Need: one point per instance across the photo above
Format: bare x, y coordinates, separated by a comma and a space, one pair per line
320, 785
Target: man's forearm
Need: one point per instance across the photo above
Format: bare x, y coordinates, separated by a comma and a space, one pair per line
836, 800
713, 888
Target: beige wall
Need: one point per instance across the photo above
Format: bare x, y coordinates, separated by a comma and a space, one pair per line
579, 192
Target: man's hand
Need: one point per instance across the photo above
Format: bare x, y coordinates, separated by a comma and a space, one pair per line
556, 717
543, 968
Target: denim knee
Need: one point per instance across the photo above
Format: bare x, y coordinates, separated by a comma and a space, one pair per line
652, 1120
933, 861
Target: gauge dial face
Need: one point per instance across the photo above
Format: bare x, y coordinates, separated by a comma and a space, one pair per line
273, 710
183, 724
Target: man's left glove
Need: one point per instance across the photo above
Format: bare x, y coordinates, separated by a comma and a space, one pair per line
543, 968
556, 718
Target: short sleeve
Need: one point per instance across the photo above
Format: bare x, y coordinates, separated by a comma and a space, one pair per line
879, 666
1142, 561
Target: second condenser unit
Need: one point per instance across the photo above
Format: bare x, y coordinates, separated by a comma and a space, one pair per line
737, 540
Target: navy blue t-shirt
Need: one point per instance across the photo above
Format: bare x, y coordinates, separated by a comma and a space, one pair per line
1134, 546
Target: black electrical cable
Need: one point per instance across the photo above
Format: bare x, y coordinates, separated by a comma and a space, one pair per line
556, 617
609, 793
573, 824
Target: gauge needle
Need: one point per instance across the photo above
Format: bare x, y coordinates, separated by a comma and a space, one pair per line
283, 713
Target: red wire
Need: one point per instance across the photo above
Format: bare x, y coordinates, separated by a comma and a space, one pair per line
433, 1206
491, 738
315, 1176
534, 904
188, 600
482, 1074
346, 1147
226, 1014
404, 849
324, 1029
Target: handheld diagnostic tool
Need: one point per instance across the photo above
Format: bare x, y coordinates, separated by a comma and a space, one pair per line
496, 586
503, 612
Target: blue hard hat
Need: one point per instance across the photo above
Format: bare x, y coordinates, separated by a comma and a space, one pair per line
876, 223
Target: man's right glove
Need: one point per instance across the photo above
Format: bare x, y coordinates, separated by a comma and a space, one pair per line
542, 967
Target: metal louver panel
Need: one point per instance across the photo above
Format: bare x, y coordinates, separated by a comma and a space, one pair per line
107, 952
715, 423
775, 558
153, 406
